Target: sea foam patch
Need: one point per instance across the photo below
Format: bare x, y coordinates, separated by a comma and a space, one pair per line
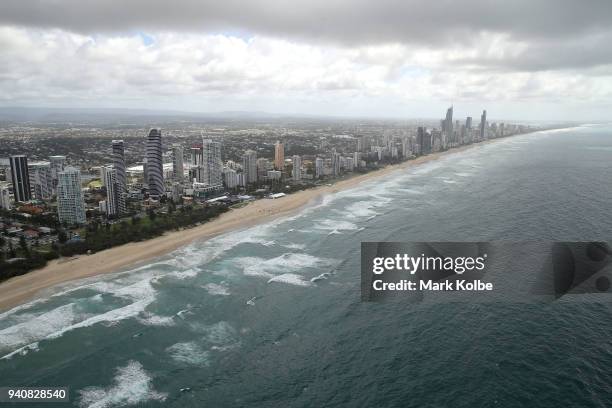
37, 328
283, 264
131, 385
189, 353
291, 279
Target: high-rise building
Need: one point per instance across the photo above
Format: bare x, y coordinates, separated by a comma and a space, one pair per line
177, 191
155, 170
41, 180
319, 167
145, 174
5, 197
357, 159
424, 141
279, 156
196, 155
296, 173
336, 163
119, 164
177, 162
115, 195
483, 125
70, 204
20, 177
263, 166
230, 178
213, 166
468, 123
448, 122
249, 166
57, 164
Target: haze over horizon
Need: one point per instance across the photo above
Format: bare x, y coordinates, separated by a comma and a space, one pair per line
389, 59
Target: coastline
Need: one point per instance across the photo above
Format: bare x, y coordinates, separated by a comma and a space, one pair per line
22, 289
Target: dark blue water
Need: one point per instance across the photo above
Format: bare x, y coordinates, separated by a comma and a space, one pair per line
271, 316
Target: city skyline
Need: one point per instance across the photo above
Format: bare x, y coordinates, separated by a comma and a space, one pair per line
393, 59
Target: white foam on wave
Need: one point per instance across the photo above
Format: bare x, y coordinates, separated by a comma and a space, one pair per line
22, 351
186, 274
37, 328
189, 353
220, 336
291, 279
334, 225
450, 181
295, 246
216, 289
58, 321
150, 319
360, 209
285, 263
322, 276
131, 385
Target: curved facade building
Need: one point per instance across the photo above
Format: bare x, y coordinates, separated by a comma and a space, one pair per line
155, 171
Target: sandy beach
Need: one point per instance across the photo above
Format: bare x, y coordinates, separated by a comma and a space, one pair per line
21, 289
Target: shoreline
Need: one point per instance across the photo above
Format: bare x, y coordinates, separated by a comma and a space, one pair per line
25, 288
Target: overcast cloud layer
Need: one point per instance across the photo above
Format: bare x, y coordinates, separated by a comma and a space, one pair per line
547, 60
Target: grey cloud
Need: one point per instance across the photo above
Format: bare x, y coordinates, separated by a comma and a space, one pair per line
546, 25
344, 21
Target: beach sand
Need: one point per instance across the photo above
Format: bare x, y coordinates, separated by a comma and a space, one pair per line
21, 289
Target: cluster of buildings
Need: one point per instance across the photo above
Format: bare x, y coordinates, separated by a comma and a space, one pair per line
199, 172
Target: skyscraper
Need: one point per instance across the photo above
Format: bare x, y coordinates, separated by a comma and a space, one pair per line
263, 166
21, 178
483, 124
115, 196
279, 156
297, 168
448, 122
41, 180
70, 204
249, 166
119, 164
155, 171
5, 197
57, 164
319, 167
177, 162
213, 166
336, 163
468, 123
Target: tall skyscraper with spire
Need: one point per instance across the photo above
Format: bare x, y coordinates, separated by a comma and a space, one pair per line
483, 124
118, 157
279, 156
448, 121
155, 169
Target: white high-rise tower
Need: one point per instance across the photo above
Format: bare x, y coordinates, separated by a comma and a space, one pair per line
70, 204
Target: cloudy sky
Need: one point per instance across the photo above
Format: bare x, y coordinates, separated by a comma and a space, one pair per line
520, 59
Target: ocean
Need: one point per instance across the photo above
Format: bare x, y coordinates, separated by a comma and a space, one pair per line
271, 316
